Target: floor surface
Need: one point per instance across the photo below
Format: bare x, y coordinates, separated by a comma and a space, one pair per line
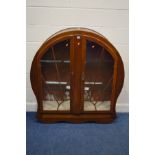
77, 139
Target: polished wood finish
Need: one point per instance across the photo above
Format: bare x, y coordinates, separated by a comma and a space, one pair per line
77, 71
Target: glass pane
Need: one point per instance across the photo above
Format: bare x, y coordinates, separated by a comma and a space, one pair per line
55, 68
98, 78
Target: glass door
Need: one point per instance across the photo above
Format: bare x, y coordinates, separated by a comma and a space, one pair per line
55, 70
98, 77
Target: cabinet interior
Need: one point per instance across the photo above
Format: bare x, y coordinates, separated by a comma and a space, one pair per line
56, 71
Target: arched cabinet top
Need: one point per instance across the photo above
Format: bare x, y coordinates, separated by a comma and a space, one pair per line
87, 33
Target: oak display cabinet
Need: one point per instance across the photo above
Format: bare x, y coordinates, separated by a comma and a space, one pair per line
77, 76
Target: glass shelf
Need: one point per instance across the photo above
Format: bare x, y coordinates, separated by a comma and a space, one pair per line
63, 83
54, 61
55, 82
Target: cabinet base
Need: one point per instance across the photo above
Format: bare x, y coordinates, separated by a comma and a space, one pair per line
98, 118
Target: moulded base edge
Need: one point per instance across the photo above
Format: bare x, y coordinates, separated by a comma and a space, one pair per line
98, 118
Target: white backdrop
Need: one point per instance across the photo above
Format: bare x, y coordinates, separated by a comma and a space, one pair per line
108, 17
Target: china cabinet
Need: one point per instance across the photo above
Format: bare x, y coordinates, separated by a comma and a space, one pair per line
77, 76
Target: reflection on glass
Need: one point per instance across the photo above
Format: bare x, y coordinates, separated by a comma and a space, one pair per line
55, 68
98, 78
